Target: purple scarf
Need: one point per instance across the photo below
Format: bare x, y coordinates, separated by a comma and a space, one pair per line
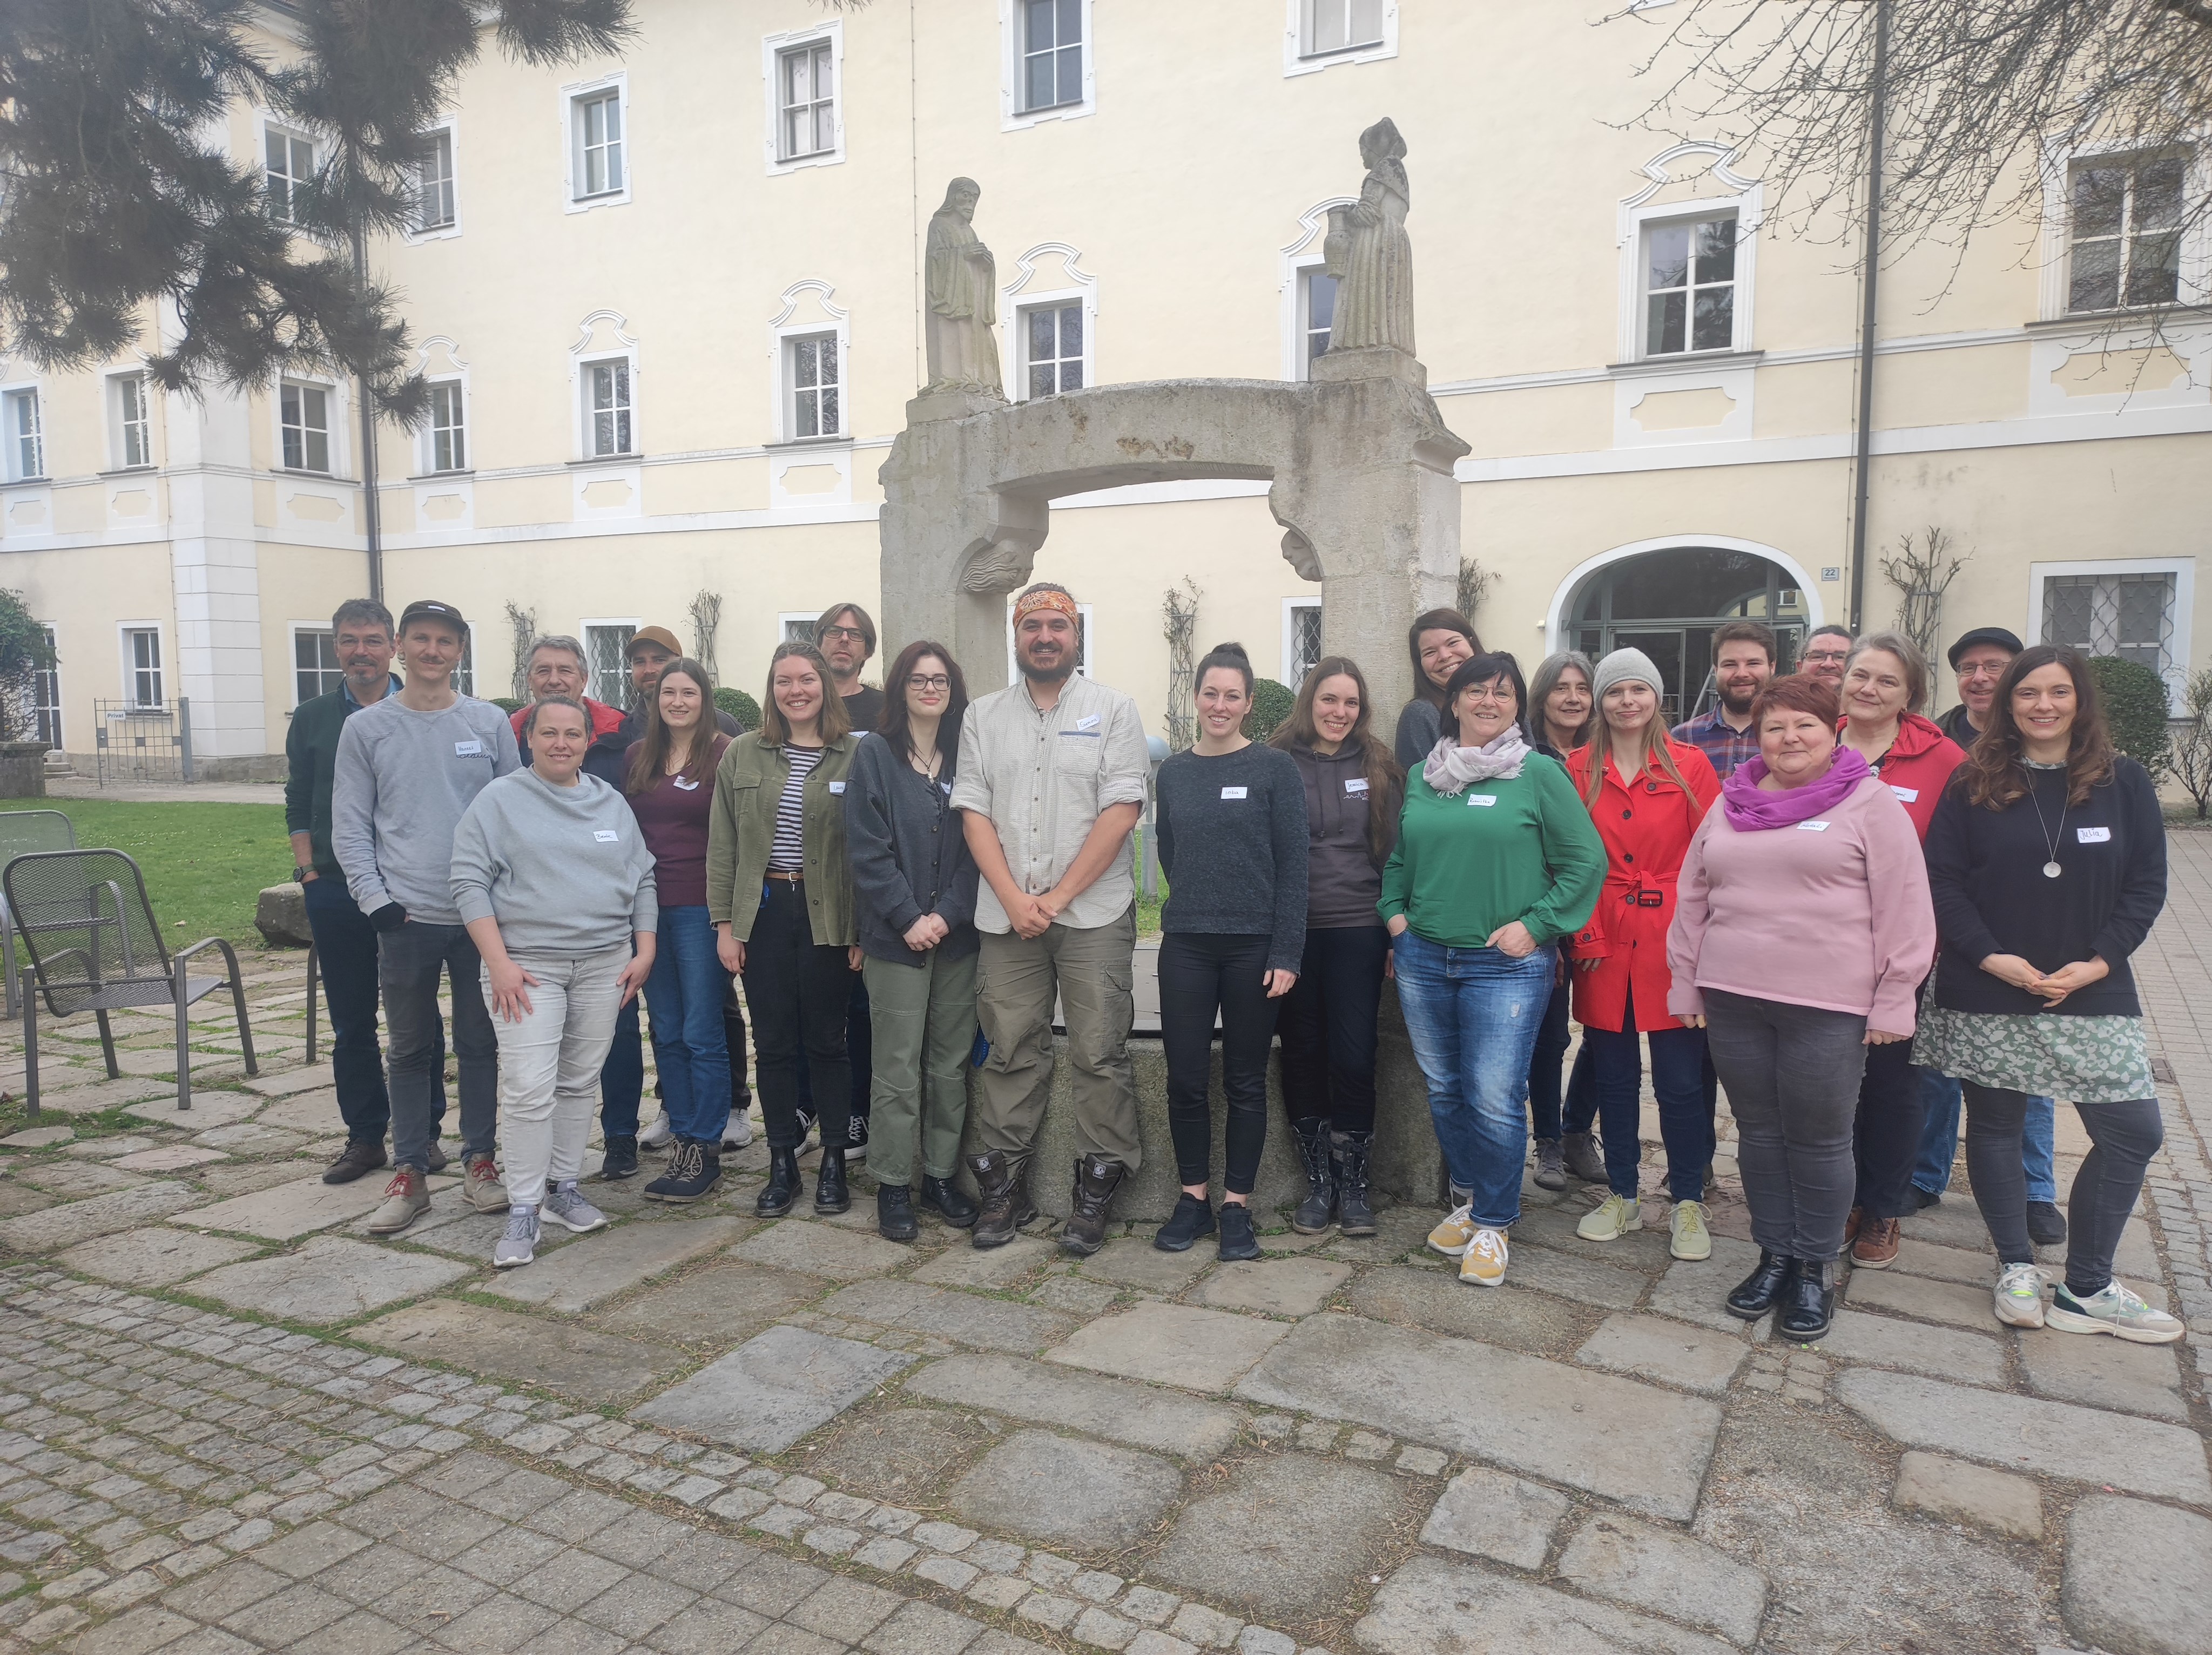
1751, 807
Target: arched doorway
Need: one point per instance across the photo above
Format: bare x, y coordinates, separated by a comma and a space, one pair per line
1668, 602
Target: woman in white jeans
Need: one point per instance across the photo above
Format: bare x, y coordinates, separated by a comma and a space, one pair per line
555, 882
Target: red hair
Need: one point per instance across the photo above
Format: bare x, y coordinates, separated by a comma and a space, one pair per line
1797, 693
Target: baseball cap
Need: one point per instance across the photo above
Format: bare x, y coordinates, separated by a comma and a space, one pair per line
422, 606
660, 635
1996, 636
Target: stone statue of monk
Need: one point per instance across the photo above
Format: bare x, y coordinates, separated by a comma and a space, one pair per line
1368, 251
962, 289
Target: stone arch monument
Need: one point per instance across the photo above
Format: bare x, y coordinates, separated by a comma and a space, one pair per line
1358, 461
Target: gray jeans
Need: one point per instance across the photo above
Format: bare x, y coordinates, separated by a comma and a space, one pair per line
1792, 1077
2124, 1137
409, 963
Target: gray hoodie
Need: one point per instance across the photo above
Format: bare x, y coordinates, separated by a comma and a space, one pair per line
564, 869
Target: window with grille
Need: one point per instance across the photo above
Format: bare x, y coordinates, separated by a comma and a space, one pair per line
1341, 26
2126, 232
1052, 53
304, 419
598, 137
435, 202
800, 628
607, 408
315, 669
815, 385
2130, 615
608, 648
1302, 642
288, 176
134, 426
142, 647
1053, 337
47, 697
1317, 313
27, 444
1689, 286
448, 428
807, 97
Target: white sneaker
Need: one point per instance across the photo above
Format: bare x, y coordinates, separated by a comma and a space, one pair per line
738, 1133
2020, 1296
2116, 1311
656, 1133
519, 1245
1451, 1237
565, 1207
1484, 1262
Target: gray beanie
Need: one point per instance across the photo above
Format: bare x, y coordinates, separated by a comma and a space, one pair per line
1625, 666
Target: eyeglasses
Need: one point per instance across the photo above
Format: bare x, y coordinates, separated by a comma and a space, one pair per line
1501, 695
847, 634
926, 681
1843, 654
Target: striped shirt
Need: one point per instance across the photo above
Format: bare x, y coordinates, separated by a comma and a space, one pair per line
787, 854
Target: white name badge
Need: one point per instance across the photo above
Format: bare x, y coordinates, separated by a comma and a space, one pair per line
467, 749
1812, 827
947, 786
836, 786
2094, 835
1232, 793
685, 786
1088, 721
1482, 798
607, 836
1908, 794
1356, 785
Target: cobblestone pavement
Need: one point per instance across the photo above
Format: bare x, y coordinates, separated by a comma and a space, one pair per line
230, 1421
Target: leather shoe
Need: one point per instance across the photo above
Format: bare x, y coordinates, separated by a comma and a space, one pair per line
942, 1197
895, 1212
1096, 1180
1810, 1304
1761, 1290
784, 1186
361, 1156
1003, 1184
830, 1194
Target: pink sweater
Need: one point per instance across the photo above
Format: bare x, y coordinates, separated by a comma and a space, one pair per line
1834, 912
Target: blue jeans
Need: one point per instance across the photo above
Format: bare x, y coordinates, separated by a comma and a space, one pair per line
1473, 1015
686, 990
1939, 1141
1678, 1063
622, 1077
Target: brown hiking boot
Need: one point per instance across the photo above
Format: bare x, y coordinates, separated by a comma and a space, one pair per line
1096, 1180
1876, 1247
1003, 1193
361, 1157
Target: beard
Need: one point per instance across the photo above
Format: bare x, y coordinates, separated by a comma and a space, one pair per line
1738, 701
1059, 670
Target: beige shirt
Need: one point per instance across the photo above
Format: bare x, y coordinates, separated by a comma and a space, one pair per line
1042, 778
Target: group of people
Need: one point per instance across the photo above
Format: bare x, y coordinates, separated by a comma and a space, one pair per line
1853, 920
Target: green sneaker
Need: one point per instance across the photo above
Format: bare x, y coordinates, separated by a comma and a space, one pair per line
1687, 1236
2115, 1311
1611, 1219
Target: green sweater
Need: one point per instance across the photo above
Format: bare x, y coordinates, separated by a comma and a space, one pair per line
311, 753
1515, 848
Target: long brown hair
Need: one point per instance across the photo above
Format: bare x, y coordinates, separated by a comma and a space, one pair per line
1386, 782
895, 726
1997, 778
1436, 621
833, 721
649, 755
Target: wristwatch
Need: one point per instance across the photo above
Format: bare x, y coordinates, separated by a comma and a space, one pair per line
299, 874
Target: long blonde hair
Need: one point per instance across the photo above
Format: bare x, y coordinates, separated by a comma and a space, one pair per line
1598, 741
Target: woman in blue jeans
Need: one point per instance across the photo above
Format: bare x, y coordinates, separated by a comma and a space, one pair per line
671, 783
1496, 861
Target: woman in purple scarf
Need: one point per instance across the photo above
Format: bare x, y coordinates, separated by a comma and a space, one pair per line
1803, 929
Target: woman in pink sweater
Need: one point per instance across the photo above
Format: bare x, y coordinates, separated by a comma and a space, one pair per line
1803, 929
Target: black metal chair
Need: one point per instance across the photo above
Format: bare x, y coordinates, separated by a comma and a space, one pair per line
94, 945
20, 832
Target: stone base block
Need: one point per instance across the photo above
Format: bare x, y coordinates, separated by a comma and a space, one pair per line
281, 916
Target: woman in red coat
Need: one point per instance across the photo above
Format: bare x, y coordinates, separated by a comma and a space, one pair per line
1647, 793
1885, 680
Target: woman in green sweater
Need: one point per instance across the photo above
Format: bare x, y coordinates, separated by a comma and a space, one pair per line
1496, 861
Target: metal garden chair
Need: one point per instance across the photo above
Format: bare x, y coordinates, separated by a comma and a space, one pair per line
22, 831
94, 945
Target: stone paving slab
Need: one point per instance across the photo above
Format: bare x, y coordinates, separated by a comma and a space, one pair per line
1172, 1344
97, 1096
2104, 1373
153, 1257
331, 1279
570, 1360
1973, 1269
1433, 1297
99, 1215
723, 1302
1955, 1491
73, 1178
167, 1158
1134, 1262
2138, 1577
1295, 1534
1575, 1275
1940, 1353
963, 1318
823, 1250
1433, 1607
1644, 1448
315, 1113
1633, 1563
1947, 1303
1655, 1348
1487, 1514
1273, 1287
209, 1108
306, 1078
611, 1261
287, 1211
1114, 1409
1083, 1496
774, 1389
963, 1266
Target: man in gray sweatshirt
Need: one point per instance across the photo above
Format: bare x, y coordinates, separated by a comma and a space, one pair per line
407, 769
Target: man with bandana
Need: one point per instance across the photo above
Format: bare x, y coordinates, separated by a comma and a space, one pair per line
1052, 774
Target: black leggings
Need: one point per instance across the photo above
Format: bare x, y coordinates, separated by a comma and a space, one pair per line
797, 991
1327, 1025
2123, 1136
1200, 974
1885, 1135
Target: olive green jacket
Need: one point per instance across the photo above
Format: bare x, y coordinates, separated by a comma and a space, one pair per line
740, 831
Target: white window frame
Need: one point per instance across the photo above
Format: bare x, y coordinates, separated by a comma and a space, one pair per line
2182, 569
1302, 319
50, 674
450, 128
125, 631
264, 125
334, 413
24, 393
1302, 254
464, 680
1068, 300
572, 97
428, 457
1296, 60
117, 390
773, 47
2058, 249
1088, 640
786, 620
791, 342
587, 410
781, 330
1641, 210
308, 628
1690, 352
1015, 298
1291, 607
590, 624
1012, 117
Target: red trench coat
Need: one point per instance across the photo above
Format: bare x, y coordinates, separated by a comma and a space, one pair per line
1647, 828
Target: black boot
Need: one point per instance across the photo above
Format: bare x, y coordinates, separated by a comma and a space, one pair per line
621, 1158
895, 1212
695, 1167
1354, 1215
1192, 1217
942, 1196
1320, 1205
784, 1186
1765, 1287
1003, 1184
1237, 1240
1810, 1305
1096, 1180
830, 1195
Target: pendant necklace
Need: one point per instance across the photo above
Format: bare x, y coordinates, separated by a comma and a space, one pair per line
2051, 868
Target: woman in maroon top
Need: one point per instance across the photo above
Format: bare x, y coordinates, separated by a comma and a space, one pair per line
670, 780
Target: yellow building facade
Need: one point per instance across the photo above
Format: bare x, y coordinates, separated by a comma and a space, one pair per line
669, 306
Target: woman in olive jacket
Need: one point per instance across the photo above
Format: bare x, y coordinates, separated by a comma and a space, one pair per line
780, 893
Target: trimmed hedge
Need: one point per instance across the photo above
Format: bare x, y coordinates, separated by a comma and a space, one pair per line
507, 703
2136, 711
1271, 704
740, 705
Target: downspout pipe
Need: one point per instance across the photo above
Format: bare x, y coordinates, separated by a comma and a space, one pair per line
1870, 286
371, 514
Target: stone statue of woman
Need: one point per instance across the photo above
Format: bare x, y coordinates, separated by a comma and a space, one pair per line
1368, 252
961, 286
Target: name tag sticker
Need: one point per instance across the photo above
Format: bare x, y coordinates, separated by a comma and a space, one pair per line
467, 749
1232, 793
2094, 835
836, 786
1356, 785
1908, 794
947, 786
1812, 827
685, 786
607, 836
1482, 798
1088, 721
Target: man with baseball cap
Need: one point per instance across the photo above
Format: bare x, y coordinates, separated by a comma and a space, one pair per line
1980, 657
407, 768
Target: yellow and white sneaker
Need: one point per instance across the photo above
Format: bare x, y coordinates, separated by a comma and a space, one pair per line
1483, 1261
1451, 1237
1687, 1236
1611, 1219
2020, 1296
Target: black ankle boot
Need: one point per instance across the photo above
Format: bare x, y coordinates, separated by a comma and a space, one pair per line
1351, 1149
783, 1187
1765, 1287
1237, 1240
1003, 1184
830, 1195
895, 1212
621, 1159
1810, 1305
942, 1196
1192, 1217
1096, 1180
1320, 1205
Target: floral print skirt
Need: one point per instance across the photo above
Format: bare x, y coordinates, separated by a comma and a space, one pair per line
2074, 1059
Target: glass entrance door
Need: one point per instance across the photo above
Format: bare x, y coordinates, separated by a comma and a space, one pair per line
1668, 648
1669, 604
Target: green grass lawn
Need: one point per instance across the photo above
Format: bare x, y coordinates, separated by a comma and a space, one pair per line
204, 863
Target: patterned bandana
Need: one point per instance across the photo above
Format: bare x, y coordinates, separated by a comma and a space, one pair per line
1031, 602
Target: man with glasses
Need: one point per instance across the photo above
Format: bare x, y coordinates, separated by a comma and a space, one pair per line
1979, 658
1827, 649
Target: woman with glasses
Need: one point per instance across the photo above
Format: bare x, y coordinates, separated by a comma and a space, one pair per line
914, 893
